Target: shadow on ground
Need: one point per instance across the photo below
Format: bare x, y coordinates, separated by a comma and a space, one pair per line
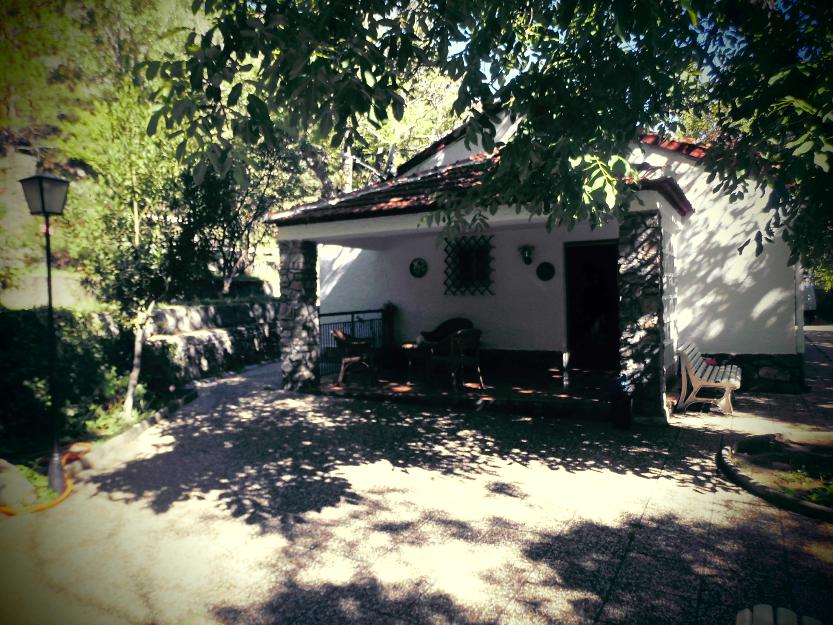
362, 546
271, 457
659, 570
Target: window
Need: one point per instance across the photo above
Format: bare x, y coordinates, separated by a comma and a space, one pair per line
468, 266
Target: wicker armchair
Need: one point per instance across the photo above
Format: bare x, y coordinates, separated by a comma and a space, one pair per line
458, 351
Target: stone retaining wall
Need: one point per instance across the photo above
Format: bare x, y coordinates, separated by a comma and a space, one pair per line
192, 342
179, 318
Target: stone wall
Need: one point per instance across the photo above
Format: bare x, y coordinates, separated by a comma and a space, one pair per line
641, 323
298, 315
191, 342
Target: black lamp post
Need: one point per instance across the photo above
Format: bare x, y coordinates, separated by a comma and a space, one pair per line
46, 194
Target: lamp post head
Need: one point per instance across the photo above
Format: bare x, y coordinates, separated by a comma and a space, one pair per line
46, 194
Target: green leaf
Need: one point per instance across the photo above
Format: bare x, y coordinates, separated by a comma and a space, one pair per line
610, 197
180, 149
617, 28
152, 70
796, 142
779, 76
803, 148
234, 94
820, 159
325, 124
398, 109
153, 123
200, 171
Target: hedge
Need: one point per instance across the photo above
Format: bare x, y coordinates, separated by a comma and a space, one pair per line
88, 345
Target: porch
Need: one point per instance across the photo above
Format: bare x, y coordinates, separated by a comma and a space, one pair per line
534, 390
603, 288
514, 381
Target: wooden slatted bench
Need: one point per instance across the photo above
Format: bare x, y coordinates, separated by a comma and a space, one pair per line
763, 614
701, 375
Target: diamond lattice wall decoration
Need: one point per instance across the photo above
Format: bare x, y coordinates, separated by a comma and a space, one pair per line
468, 266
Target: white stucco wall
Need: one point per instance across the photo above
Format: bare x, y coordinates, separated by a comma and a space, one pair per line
458, 151
524, 313
725, 301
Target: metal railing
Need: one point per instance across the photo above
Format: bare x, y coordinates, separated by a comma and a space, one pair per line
357, 323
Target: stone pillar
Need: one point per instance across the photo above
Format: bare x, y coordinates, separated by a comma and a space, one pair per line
641, 324
298, 315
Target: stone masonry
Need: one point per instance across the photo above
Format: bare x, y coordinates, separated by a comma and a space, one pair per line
298, 315
641, 314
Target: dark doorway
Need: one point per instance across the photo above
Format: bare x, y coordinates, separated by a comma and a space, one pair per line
592, 304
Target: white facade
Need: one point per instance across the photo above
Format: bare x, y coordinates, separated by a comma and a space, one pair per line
725, 301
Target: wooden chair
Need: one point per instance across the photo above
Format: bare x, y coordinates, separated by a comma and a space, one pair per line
458, 351
700, 374
354, 351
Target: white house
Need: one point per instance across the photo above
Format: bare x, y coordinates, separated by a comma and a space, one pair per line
623, 296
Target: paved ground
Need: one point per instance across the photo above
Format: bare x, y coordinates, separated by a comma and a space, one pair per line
257, 506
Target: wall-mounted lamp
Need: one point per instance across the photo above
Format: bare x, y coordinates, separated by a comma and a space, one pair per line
526, 253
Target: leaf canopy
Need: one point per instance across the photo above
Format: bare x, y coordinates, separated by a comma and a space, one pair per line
584, 79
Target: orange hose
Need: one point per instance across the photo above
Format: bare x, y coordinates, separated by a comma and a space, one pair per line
75, 451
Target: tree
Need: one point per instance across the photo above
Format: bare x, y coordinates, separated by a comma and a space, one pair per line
120, 219
70, 96
221, 223
584, 79
427, 115
59, 56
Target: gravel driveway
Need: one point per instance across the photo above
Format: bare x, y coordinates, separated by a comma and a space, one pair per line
254, 505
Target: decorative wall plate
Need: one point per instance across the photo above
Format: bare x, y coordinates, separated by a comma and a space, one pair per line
545, 271
418, 268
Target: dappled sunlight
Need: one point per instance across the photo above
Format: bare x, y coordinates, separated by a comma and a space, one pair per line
772, 299
291, 455
310, 509
727, 302
334, 261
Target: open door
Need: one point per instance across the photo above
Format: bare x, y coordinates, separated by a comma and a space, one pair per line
593, 304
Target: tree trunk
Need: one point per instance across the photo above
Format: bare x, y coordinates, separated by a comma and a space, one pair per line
347, 171
135, 206
138, 342
133, 380
316, 159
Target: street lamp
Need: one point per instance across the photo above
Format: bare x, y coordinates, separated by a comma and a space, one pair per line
46, 194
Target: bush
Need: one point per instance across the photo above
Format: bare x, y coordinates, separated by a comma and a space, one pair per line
91, 350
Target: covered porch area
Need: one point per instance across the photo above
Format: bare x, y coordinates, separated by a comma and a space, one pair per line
590, 299
528, 386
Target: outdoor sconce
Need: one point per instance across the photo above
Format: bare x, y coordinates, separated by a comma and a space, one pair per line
526, 253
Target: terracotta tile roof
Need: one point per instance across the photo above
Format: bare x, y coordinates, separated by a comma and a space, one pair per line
415, 194
398, 196
693, 150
